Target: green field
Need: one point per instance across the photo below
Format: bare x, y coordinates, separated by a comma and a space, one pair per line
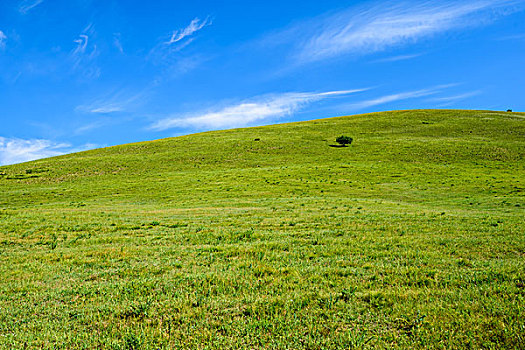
412, 237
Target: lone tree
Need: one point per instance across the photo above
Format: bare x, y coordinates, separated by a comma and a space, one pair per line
344, 140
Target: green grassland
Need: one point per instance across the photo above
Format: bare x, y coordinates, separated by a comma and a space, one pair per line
412, 237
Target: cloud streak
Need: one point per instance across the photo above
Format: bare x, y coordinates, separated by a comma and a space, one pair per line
118, 102
520, 36
15, 150
28, 5
3, 39
250, 112
168, 52
398, 97
450, 100
82, 43
376, 27
83, 56
398, 58
118, 43
195, 25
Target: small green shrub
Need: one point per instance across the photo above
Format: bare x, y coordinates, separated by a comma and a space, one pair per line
344, 140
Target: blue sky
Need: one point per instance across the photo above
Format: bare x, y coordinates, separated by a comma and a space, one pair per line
81, 74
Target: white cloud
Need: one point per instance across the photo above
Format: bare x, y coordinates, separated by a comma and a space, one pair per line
82, 43
109, 108
118, 43
378, 26
450, 100
398, 97
3, 39
83, 56
397, 58
28, 5
519, 36
102, 107
17, 150
14, 150
89, 127
168, 52
257, 110
112, 103
195, 25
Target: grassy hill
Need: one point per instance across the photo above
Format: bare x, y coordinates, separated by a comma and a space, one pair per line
268, 237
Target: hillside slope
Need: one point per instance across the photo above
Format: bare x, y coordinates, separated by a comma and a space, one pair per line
271, 237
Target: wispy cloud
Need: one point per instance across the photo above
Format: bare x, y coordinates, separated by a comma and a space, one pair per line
117, 42
398, 97
165, 51
104, 107
82, 43
15, 150
28, 5
195, 25
84, 54
378, 26
520, 36
3, 39
257, 110
89, 127
398, 58
449, 100
115, 102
